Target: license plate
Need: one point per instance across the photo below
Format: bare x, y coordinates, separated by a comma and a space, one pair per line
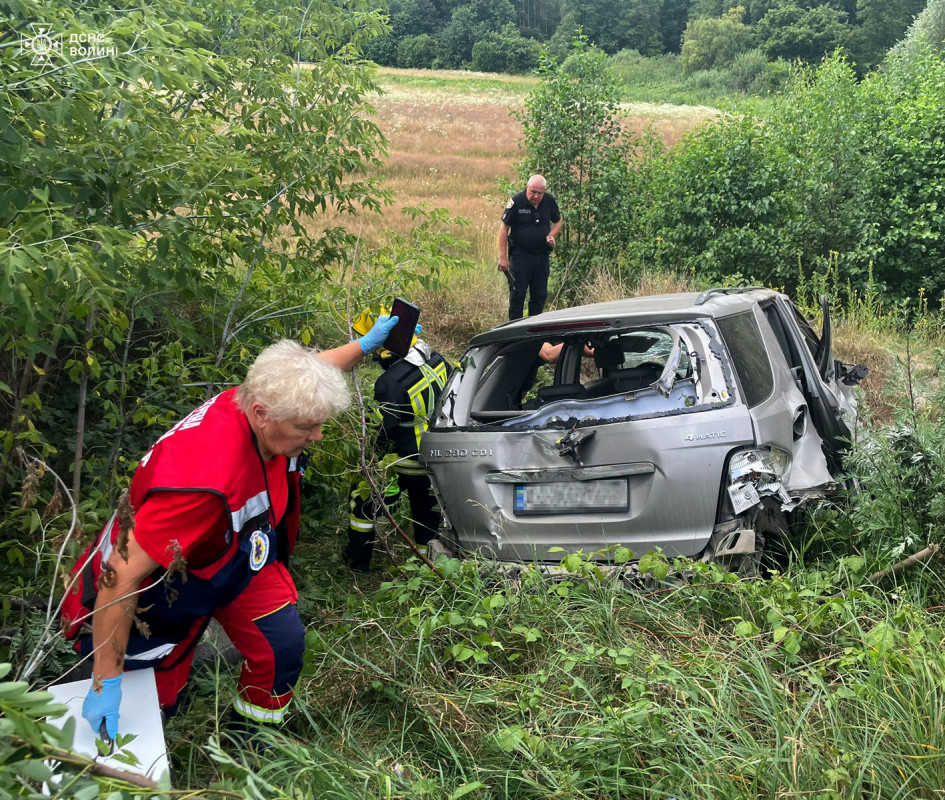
572, 497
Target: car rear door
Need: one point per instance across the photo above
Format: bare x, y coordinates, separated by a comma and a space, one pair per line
807, 355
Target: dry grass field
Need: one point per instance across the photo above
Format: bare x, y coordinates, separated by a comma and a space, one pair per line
455, 144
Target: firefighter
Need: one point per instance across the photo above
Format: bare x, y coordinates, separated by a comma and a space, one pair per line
212, 520
405, 393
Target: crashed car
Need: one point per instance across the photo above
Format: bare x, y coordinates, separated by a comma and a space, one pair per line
698, 424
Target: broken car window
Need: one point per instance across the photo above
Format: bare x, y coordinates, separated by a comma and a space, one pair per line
744, 342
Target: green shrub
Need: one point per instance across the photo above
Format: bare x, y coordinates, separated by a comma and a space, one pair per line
899, 505
775, 78
506, 51
836, 173
713, 80
416, 52
714, 42
634, 69
746, 70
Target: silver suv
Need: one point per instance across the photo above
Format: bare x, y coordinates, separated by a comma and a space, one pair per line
693, 423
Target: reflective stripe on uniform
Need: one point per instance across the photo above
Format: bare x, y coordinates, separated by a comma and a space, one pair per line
254, 507
105, 542
360, 524
257, 712
412, 470
423, 395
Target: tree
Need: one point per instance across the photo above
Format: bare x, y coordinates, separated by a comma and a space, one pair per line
790, 32
469, 24
413, 17
633, 24
416, 52
673, 14
154, 189
537, 17
839, 174
505, 51
880, 25
573, 137
714, 42
909, 189
926, 32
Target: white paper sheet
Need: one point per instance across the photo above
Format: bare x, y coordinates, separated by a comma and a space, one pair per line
140, 715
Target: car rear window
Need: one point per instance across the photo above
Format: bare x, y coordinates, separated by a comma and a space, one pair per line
743, 340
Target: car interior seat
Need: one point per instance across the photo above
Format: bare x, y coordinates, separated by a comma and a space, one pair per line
635, 378
607, 356
562, 391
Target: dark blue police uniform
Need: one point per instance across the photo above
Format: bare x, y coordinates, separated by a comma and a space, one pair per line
528, 251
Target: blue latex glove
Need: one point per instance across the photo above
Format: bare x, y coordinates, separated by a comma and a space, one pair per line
375, 337
104, 705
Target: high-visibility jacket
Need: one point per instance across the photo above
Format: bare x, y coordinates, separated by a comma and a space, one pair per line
406, 394
211, 450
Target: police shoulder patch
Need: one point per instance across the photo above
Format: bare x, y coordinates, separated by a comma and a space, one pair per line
510, 203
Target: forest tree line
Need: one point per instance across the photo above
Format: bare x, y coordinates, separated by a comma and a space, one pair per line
507, 35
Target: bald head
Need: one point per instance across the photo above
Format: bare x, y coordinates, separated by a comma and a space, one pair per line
535, 189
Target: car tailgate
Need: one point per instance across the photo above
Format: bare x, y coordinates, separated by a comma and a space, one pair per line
672, 464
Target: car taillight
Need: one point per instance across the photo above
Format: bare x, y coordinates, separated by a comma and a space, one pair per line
754, 474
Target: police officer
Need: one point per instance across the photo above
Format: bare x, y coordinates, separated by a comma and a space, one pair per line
405, 393
530, 223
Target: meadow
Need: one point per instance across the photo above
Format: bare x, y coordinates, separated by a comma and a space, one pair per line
454, 143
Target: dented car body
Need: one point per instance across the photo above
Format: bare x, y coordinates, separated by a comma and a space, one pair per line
692, 423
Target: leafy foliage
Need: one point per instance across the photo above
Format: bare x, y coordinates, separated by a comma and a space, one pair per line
926, 31
837, 174
899, 507
162, 207
148, 188
505, 51
789, 31
710, 42
573, 137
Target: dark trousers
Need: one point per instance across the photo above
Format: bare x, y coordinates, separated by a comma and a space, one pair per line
423, 512
530, 271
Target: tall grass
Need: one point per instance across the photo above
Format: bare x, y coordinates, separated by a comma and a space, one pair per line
583, 688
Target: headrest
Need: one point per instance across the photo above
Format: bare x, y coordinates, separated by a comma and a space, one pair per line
608, 355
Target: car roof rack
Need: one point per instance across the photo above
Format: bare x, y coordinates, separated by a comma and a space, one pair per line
702, 298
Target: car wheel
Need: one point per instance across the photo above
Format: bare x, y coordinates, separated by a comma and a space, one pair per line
771, 544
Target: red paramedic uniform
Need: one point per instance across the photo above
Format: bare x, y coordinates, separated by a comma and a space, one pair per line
204, 494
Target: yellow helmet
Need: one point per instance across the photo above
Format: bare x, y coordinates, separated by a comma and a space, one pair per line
366, 319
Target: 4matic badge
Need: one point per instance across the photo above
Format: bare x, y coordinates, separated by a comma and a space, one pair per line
701, 437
